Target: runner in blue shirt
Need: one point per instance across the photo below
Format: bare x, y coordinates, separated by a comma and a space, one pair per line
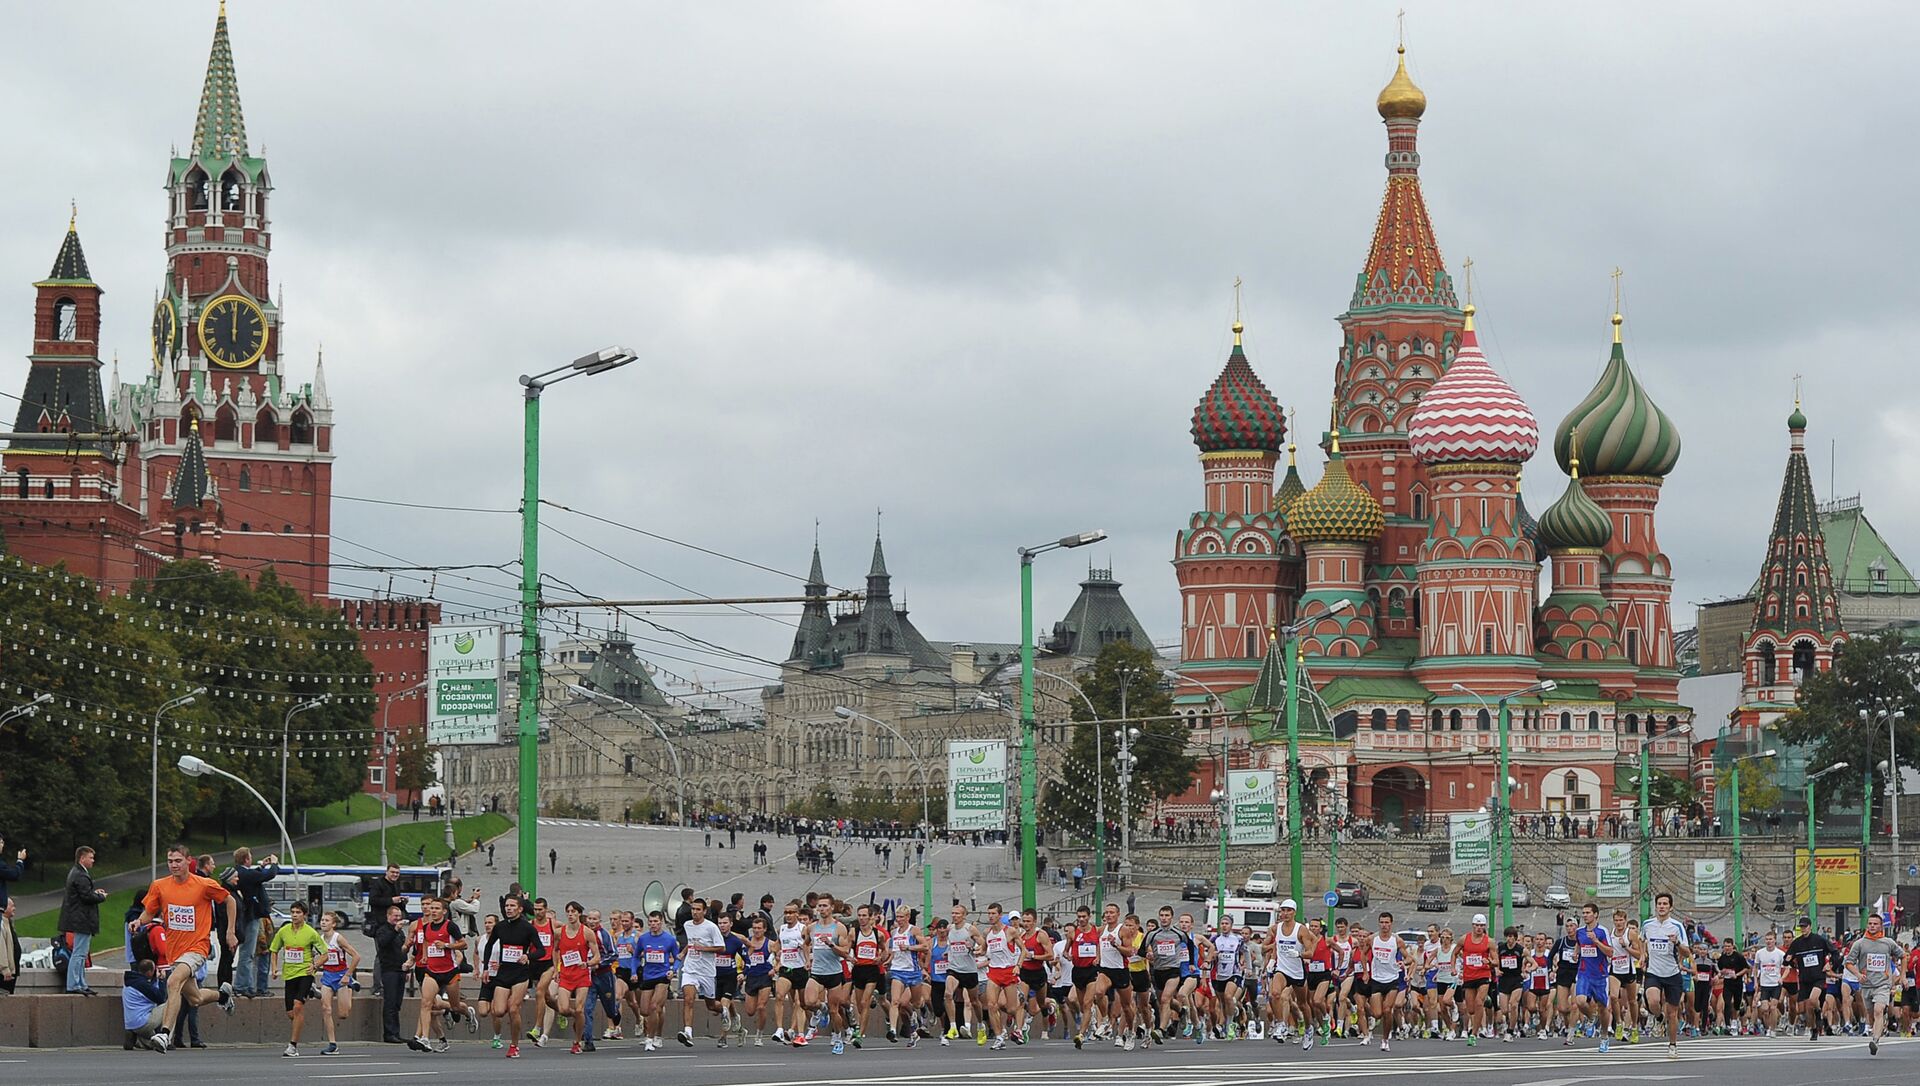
1590, 983
658, 951
758, 952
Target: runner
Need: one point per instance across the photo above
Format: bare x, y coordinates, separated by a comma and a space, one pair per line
1476, 973
1036, 953
1625, 962
294, 950
1386, 956
183, 903
1292, 946
868, 976
658, 951
790, 981
542, 968
436, 941
1514, 961
759, 953
337, 985
1227, 979
1811, 953
1319, 983
699, 971
726, 979
1590, 982
576, 954
1003, 961
1446, 978
1138, 996
963, 978
1665, 948
905, 949
1168, 949
1084, 960
1735, 974
831, 945
626, 971
1770, 966
514, 945
1877, 959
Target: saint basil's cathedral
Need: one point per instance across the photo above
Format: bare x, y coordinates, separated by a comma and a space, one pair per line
1411, 571
220, 454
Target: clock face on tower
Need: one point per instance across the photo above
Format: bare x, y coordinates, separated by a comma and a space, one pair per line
233, 331
166, 332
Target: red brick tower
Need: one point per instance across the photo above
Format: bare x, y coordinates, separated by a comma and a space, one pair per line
61, 500
218, 345
1398, 336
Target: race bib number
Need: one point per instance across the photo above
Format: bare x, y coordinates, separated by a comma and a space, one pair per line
655, 957
513, 955
180, 918
1810, 961
1589, 952
1476, 960
1876, 963
572, 959
1316, 967
1509, 963
437, 950
546, 938
1567, 955
294, 955
790, 957
1770, 976
1085, 952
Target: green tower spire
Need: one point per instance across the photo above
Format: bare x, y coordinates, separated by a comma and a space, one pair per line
220, 131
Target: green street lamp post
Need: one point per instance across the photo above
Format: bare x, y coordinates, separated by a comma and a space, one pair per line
1739, 906
529, 731
1029, 767
1503, 829
1646, 835
1290, 652
1813, 885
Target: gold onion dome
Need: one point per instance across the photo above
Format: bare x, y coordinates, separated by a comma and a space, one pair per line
1575, 522
1400, 99
1337, 509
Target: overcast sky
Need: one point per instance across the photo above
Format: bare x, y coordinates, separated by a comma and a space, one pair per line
971, 264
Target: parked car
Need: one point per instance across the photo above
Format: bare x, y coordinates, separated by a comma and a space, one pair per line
1352, 895
1475, 893
1262, 884
1196, 890
1557, 897
1433, 899
1521, 898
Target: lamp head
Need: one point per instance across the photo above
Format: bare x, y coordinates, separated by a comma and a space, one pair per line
194, 767
1214, 796
1460, 688
843, 712
1767, 753
1083, 538
604, 359
1338, 607
1547, 686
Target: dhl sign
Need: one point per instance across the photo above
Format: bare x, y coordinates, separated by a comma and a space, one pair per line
1838, 870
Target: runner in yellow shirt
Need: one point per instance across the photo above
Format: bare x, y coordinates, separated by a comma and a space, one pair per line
296, 949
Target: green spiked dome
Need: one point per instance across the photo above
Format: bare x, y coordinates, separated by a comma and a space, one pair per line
1291, 487
1238, 413
1337, 509
1621, 430
1575, 522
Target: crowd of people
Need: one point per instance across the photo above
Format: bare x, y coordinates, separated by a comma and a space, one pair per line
824, 971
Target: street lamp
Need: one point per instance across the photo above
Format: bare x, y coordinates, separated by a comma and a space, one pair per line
679, 775
1813, 887
390, 765
153, 816
1220, 792
286, 734
30, 709
1290, 669
601, 361
1890, 769
1099, 792
1125, 735
1505, 831
926, 818
1029, 769
197, 767
1739, 907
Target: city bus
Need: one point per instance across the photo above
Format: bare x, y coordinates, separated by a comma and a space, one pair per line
344, 887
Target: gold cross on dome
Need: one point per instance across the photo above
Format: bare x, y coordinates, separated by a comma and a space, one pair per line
1466, 272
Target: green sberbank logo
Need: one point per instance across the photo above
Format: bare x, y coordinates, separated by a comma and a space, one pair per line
977, 756
463, 644
1252, 783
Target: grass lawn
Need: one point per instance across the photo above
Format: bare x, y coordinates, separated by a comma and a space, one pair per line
405, 838
50, 872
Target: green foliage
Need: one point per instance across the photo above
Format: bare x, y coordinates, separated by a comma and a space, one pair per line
80, 772
569, 807
1871, 673
1162, 767
1758, 792
863, 802
413, 770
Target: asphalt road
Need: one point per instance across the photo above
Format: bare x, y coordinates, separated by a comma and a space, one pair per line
1749, 1061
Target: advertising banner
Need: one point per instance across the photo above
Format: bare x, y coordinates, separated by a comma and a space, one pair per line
1838, 870
463, 685
1253, 810
976, 784
1613, 871
1470, 835
1710, 884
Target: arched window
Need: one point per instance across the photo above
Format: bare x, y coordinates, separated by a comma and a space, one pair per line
1435, 726
196, 189
66, 320
1633, 724
1803, 661
1593, 721
232, 194
1769, 666
1482, 720
1402, 721
302, 429
1566, 721
25, 481
1378, 721
266, 428
1419, 505
246, 477
1673, 722
1453, 720
226, 423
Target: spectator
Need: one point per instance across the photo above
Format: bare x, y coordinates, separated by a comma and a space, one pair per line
9, 949
248, 885
683, 913
553, 861
385, 892
465, 909
142, 1001
80, 918
10, 871
390, 959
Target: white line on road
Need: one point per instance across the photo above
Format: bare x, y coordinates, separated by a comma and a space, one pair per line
380, 1074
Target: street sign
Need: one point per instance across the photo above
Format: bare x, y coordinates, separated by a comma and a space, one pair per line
1333, 898
1913, 871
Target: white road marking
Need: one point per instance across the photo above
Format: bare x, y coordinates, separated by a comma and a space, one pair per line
381, 1074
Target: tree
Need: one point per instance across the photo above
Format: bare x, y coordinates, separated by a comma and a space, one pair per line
1758, 792
1874, 674
1162, 765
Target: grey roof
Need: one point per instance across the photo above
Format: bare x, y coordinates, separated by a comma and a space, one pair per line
618, 673
876, 626
61, 398
70, 265
810, 638
191, 484
1099, 617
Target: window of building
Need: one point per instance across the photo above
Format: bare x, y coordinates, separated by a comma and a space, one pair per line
1482, 720
1566, 721
246, 478
1486, 641
1402, 721
1633, 647
1593, 721
1378, 720
66, 320
1453, 720
1633, 724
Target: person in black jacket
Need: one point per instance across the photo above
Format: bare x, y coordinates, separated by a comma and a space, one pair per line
390, 961
385, 891
80, 918
248, 885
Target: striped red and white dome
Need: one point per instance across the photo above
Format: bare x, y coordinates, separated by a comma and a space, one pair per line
1471, 415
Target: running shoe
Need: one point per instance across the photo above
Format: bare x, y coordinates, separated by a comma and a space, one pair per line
1603, 1046
561, 1022
292, 1050
1079, 1040
1128, 1046
980, 1035
441, 1045
416, 1044
331, 1049
1474, 1039
1384, 1047
1019, 1037
226, 1001
952, 1032
1159, 1038
838, 1047
513, 1051
998, 1044
854, 1036
685, 1036
798, 1040
473, 1019
575, 1050
540, 1040
498, 1044
913, 1040
944, 1042
723, 1040
533, 1034
1673, 1052
1873, 1047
